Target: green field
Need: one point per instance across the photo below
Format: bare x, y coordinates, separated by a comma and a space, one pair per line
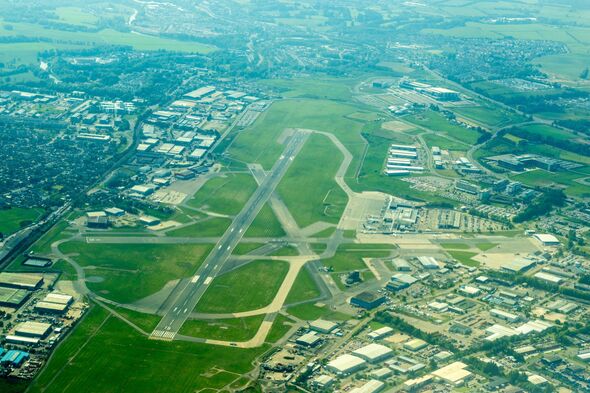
485, 246
567, 180
465, 257
455, 246
128, 272
249, 287
177, 366
349, 257
265, 224
11, 220
75, 16
303, 289
212, 227
548, 131
226, 194
438, 123
493, 117
237, 329
309, 189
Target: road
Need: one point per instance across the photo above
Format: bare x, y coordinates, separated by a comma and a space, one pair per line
194, 289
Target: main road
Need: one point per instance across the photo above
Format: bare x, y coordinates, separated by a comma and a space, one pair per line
193, 289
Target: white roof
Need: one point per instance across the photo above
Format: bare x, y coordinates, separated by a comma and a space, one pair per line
346, 363
380, 332
321, 324
546, 238
454, 372
429, 262
370, 387
536, 379
373, 352
59, 298
549, 277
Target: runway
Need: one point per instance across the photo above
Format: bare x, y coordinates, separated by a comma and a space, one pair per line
194, 288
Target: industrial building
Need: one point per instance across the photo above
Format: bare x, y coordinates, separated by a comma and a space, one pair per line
14, 358
33, 329
504, 315
323, 326
372, 386
381, 333
429, 263
373, 353
454, 373
518, 265
310, 339
21, 280
13, 297
367, 300
346, 364
415, 344
547, 240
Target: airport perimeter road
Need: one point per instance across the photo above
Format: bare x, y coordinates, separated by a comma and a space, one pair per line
194, 288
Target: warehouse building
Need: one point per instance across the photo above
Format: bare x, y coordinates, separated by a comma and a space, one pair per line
373, 353
454, 373
14, 358
429, 263
415, 344
367, 300
380, 333
13, 297
518, 265
372, 386
33, 329
21, 280
547, 240
504, 315
323, 326
50, 308
549, 278
22, 340
310, 339
346, 364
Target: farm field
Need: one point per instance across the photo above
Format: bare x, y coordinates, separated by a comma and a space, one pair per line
542, 178
249, 287
128, 272
177, 366
493, 117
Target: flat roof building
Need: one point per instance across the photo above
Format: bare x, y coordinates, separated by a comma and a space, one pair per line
454, 373
372, 386
346, 364
33, 329
367, 300
13, 297
50, 308
373, 353
323, 326
504, 315
547, 240
21, 280
310, 339
429, 263
415, 344
380, 333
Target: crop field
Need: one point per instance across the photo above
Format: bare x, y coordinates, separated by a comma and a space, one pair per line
26, 53
249, 287
225, 194
303, 289
128, 272
236, 329
177, 366
265, 224
309, 189
11, 220
436, 122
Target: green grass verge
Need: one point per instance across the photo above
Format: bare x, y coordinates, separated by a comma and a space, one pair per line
213, 227
455, 246
485, 246
304, 288
237, 329
465, 257
249, 287
265, 224
309, 189
128, 272
225, 194
101, 348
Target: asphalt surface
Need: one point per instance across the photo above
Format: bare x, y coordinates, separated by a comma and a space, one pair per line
194, 288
